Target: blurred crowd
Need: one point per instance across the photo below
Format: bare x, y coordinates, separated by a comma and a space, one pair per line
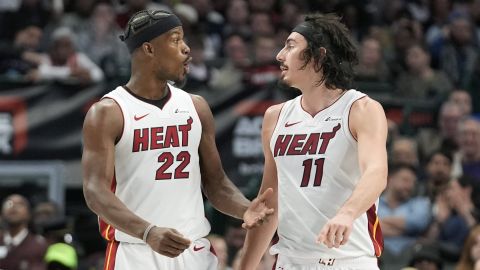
423, 50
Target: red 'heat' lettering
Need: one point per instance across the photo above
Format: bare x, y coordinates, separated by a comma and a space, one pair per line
281, 144
152, 138
298, 141
301, 144
140, 138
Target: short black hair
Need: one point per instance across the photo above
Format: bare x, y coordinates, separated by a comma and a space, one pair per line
337, 64
442, 152
394, 168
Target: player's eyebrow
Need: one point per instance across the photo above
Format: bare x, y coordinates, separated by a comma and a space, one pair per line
290, 40
176, 32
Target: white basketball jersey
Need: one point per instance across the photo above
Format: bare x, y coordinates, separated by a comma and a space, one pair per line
318, 169
157, 171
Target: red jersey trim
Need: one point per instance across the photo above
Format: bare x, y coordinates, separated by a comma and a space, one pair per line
315, 114
349, 112
110, 255
106, 230
123, 119
375, 231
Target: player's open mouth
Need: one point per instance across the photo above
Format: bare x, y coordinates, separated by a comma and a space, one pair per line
186, 66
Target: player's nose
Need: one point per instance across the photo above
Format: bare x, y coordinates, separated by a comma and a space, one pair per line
280, 57
186, 50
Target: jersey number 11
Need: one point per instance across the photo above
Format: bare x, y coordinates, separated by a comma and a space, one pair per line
307, 168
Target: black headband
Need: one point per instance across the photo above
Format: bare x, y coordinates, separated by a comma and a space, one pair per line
159, 27
306, 30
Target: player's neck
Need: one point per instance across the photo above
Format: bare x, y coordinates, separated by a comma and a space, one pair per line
318, 98
147, 87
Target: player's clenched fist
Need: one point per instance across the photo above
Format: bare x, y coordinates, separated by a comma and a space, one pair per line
166, 241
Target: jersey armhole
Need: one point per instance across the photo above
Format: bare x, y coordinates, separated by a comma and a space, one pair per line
275, 126
347, 130
123, 119
278, 117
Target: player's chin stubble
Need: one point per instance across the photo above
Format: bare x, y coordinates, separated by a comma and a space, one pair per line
180, 82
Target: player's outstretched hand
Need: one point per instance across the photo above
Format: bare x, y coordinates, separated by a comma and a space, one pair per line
166, 241
337, 231
258, 211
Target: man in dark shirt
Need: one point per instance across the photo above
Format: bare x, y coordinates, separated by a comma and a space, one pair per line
20, 249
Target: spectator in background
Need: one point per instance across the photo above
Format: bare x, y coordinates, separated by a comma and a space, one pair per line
237, 19
452, 217
463, 99
261, 6
264, 70
49, 222
230, 76
404, 150
189, 17
18, 57
425, 257
403, 217
210, 23
200, 73
439, 10
45, 212
64, 63
354, 18
470, 258
420, 81
393, 134
61, 256
31, 12
266, 262
264, 6
459, 54
443, 136
261, 25
372, 66
131, 7
234, 237
19, 248
220, 248
291, 15
467, 160
438, 171
101, 44
405, 32
79, 19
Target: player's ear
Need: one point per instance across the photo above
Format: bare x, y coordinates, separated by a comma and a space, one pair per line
147, 48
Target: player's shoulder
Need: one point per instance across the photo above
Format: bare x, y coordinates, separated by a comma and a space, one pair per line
271, 117
198, 99
104, 106
366, 105
104, 110
274, 110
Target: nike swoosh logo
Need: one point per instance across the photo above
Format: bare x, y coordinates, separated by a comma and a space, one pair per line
195, 248
291, 124
139, 117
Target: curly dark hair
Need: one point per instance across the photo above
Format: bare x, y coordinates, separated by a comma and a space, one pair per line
341, 53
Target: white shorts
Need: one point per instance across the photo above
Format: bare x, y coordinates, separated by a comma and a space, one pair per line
289, 263
127, 256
